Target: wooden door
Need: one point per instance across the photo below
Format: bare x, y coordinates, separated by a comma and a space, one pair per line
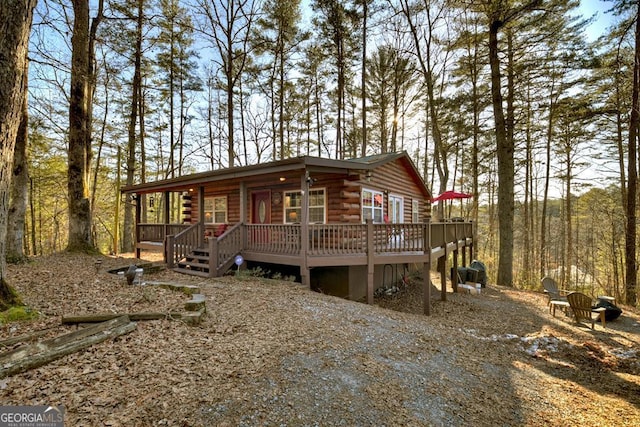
261, 214
261, 207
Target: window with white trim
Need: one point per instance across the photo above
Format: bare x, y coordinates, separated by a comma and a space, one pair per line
215, 210
372, 205
415, 211
396, 209
293, 206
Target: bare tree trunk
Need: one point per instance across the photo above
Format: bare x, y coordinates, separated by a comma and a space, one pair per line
15, 20
19, 190
363, 81
547, 179
632, 188
504, 151
426, 61
127, 232
80, 113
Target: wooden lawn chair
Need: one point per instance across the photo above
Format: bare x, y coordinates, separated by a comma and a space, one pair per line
557, 297
582, 309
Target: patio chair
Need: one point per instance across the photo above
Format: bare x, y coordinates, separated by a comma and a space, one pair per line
583, 310
557, 297
551, 289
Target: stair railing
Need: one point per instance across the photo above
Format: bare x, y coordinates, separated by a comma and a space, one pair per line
224, 248
182, 244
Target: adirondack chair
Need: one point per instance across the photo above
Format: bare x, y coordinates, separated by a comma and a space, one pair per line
583, 310
557, 297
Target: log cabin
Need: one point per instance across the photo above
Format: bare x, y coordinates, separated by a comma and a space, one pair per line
348, 226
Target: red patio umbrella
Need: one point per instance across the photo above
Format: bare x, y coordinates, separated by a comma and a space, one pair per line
451, 195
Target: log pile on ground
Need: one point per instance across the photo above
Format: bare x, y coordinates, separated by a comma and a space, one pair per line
30, 356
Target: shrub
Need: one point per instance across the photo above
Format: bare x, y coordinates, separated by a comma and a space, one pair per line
17, 313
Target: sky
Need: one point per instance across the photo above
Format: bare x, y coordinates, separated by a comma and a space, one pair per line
602, 19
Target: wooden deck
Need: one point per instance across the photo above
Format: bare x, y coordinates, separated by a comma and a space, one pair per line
325, 245
308, 246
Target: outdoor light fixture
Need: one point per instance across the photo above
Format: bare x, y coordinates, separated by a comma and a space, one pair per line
310, 180
283, 179
368, 176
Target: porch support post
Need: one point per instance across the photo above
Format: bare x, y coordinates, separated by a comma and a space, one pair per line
138, 216
201, 217
243, 203
305, 274
426, 268
167, 202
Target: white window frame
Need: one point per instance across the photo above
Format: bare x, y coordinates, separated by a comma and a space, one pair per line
287, 210
415, 211
400, 216
210, 207
373, 208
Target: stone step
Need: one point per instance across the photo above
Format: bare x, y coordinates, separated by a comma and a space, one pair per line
196, 303
191, 318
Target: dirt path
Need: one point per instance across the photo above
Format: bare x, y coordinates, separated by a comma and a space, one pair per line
273, 353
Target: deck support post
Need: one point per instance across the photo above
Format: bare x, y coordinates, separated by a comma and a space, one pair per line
305, 273
370, 265
474, 239
426, 268
442, 268
464, 253
454, 272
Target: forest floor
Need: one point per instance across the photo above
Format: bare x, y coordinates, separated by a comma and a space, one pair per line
274, 353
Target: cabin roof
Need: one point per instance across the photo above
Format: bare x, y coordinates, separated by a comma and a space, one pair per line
301, 163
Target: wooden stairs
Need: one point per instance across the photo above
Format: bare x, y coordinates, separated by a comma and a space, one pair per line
196, 263
188, 253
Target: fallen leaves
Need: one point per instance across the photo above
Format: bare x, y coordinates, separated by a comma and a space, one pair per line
272, 353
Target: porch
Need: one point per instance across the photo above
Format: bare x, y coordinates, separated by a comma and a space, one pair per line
307, 246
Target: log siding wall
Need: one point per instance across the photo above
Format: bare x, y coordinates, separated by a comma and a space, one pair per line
343, 194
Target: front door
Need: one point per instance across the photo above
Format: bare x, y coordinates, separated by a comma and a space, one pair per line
261, 207
260, 214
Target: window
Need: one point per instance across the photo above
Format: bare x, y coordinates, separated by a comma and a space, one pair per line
372, 205
396, 211
215, 210
415, 211
293, 206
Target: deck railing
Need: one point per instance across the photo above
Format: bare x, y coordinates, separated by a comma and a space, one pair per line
224, 248
337, 239
351, 239
279, 239
448, 232
158, 232
323, 239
